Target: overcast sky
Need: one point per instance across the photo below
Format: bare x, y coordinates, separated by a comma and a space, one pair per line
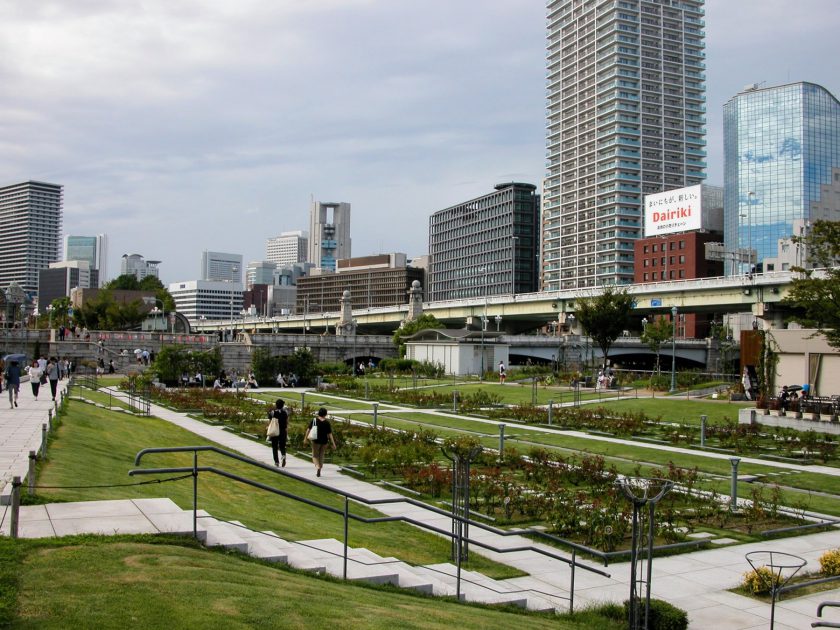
181, 126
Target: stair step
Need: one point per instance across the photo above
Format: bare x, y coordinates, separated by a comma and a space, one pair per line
219, 534
356, 570
475, 587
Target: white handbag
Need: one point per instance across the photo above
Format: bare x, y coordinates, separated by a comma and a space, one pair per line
273, 428
313, 432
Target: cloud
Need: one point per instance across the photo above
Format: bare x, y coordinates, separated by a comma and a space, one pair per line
208, 124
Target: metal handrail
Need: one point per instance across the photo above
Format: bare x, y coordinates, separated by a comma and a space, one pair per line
347, 515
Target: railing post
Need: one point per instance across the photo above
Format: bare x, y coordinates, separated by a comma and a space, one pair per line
346, 527
455, 401
44, 438
195, 494
13, 519
30, 476
501, 441
550, 410
572, 582
734, 490
375, 414
458, 563
302, 401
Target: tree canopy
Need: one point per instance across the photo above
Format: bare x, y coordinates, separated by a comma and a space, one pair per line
815, 295
605, 317
409, 328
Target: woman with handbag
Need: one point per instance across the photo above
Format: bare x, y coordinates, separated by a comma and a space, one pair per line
278, 426
319, 432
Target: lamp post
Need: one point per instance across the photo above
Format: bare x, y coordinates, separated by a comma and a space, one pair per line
155, 312
483, 323
49, 316
750, 201
674, 350
571, 319
498, 319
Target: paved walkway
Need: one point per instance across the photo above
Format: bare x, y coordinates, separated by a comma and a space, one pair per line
20, 431
696, 582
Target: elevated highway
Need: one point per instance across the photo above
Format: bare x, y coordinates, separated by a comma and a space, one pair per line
760, 294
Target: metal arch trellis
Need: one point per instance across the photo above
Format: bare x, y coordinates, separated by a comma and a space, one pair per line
644, 494
461, 500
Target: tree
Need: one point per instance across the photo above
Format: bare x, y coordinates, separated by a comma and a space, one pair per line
815, 295
605, 317
656, 333
414, 326
125, 282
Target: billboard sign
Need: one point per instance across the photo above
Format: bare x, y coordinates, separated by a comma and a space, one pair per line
673, 211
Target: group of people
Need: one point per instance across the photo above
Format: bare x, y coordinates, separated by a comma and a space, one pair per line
789, 395
40, 372
605, 380
290, 380
318, 433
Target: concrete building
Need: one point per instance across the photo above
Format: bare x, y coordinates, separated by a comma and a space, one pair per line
221, 267
260, 272
30, 238
372, 281
329, 229
485, 246
92, 249
139, 267
781, 164
208, 299
61, 278
626, 94
288, 248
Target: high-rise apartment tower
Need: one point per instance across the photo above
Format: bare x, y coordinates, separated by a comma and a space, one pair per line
626, 104
329, 230
30, 232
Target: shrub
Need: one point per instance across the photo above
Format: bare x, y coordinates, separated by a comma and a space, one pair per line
663, 616
830, 562
760, 581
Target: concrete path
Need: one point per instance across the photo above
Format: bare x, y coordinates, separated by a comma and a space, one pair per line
21, 431
697, 581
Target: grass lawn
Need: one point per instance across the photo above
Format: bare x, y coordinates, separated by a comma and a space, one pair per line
138, 582
681, 410
93, 446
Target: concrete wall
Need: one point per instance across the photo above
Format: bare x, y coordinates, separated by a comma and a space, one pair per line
806, 357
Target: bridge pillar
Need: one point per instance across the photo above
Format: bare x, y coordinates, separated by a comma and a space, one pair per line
415, 302
346, 325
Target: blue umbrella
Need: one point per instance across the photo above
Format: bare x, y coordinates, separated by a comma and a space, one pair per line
20, 358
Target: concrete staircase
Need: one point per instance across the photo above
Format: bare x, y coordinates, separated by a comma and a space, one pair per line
326, 556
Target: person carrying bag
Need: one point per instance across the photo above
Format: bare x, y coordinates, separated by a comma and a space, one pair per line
277, 431
319, 433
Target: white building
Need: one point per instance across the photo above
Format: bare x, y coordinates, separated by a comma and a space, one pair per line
208, 299
139, 267
329, 227
260, 272
219, 266
288, 248
626, 118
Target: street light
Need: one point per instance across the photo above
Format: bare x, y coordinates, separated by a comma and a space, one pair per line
498, 319
483, 323
674, 350
571, 319
49, 315
750, 201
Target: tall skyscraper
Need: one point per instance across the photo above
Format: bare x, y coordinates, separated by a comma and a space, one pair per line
329, 230
30, 232
288, 248
781, 150
485, 246
221, 267
93, 249
626, 97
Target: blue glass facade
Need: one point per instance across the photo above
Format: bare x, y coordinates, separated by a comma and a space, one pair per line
780, 146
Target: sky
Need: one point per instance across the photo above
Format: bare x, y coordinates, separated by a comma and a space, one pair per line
179, 127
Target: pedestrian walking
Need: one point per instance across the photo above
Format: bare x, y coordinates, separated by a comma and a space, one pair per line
502, 373
12, 378
319, 432
278, 432
53, 374
35, 374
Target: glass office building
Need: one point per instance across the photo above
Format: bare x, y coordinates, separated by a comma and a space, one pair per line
626, 118
781, 152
